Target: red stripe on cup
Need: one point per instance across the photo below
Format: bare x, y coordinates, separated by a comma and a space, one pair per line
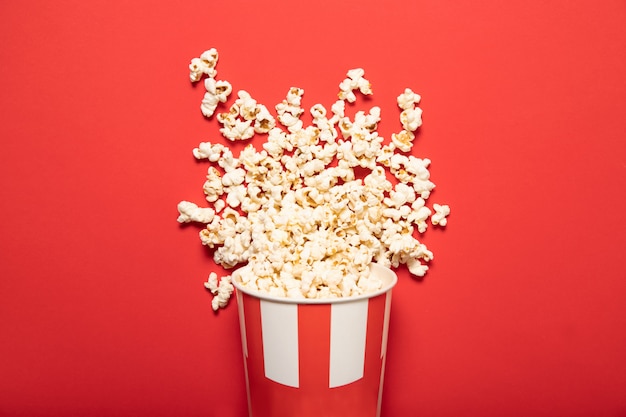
314, 343
383, 351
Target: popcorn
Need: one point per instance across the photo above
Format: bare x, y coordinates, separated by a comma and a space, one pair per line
235, 195
403, 140
264, 121
207, 150
300, 211
416, 267
355, 81
440, 216
419, 214
221, 292
247, 105
203, 65
213, 186
408, 99
216, 92
289, 110
190, 212
237, 129
219, 205
411, 119
233, 177
244, 118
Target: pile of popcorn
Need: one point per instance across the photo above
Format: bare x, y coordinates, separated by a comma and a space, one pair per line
296, 212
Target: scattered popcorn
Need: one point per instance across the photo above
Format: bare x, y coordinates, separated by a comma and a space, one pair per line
237, 129
216, 92
219, 205
355, 81
289, 110
419, 214
207, 150
221, 292
245, 118
416, 267
190, 212
408, 99
440, 216
203, 65
403, 140
301, 212
264, 121
411, 119
213, 186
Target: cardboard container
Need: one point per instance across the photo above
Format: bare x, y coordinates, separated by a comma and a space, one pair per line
315, 358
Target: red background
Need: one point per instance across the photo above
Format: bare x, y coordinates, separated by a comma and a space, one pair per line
103, 310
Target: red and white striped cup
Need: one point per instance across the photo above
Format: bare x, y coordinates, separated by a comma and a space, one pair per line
312, 358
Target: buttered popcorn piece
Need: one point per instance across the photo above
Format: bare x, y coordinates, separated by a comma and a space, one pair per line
441, 214
403, 140
296, 211
208, 150
190, 212
213, 186
221, 291
411, 119
264, 121
354, 81
205, 64
216, 92
289, 110
245, 118
408, 99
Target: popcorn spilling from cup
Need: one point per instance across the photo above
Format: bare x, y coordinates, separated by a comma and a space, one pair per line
297, 212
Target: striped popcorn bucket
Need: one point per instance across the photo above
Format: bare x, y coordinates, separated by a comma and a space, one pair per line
315, 358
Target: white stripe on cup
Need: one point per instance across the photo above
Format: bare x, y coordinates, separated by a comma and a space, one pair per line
279, 324
348, 326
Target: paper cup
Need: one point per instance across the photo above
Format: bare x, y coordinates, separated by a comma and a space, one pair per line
315, 358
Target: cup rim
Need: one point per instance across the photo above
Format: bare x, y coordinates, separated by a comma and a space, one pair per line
390, 279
